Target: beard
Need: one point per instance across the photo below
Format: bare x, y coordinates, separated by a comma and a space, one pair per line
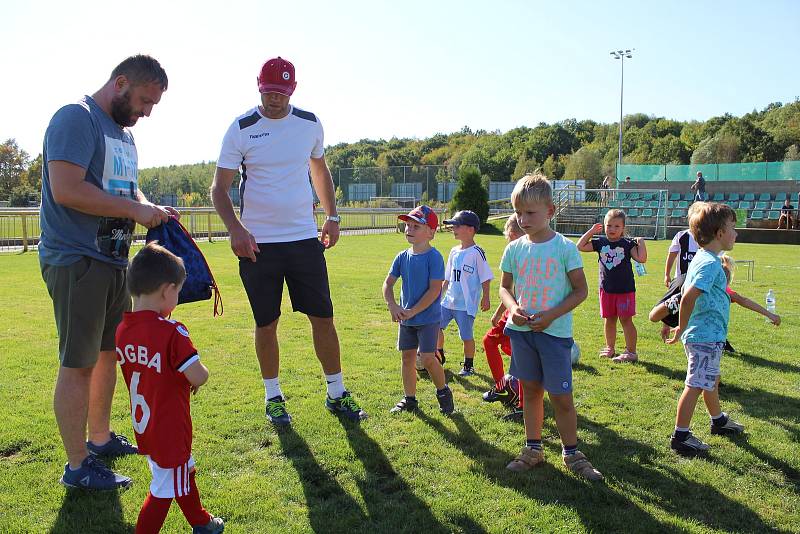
121, 110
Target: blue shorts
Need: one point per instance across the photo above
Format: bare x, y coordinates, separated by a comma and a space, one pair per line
463, 320
703, 369
422, 338
543, 358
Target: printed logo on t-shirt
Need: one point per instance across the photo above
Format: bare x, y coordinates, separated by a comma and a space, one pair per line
182, 330
611, 257
120, 177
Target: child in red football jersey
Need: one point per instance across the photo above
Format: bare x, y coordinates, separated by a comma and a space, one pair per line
161, 368
495, 340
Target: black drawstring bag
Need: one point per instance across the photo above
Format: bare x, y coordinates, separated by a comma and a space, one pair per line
200, 283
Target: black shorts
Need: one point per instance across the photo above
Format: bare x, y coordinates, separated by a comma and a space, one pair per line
302, 265
673, 298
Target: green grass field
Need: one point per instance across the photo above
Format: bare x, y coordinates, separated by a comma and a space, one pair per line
427, 472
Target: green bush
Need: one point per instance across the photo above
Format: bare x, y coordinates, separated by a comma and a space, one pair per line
470, 194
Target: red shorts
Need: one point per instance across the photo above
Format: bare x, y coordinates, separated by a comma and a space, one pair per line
617, 304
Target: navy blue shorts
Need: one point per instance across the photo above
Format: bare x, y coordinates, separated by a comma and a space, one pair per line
543, 358
422, 338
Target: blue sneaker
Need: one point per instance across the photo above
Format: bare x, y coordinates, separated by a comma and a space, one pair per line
346, 406
276, 411
116, 446
94, 475
215, 526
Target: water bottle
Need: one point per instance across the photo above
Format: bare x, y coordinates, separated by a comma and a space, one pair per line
639, 267
770, 302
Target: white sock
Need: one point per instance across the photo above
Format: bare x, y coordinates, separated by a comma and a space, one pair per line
335, 385
272, 388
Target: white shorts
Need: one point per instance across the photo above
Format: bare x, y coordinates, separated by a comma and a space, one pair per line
170, 482
704, 363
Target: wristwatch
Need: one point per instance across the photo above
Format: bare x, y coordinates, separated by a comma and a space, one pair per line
333, 218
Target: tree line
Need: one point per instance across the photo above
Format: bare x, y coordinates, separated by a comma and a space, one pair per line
569, 149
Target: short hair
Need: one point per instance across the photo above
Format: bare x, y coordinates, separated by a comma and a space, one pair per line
707, 218
153, 267
614, 214
141, 70
512, 225
532, 188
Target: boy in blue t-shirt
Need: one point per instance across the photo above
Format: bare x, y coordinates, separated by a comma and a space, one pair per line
703, 324
421, 268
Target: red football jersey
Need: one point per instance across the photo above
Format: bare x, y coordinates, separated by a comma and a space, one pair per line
153, 352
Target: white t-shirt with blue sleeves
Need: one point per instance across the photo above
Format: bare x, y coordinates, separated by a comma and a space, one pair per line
416, 272
709, 320
540, 277
466, 270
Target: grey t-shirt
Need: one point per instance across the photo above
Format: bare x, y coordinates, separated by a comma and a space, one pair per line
85, 135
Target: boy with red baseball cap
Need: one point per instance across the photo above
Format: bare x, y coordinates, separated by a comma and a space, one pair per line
421, 268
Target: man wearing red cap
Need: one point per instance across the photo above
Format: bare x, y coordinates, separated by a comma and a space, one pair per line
276, 145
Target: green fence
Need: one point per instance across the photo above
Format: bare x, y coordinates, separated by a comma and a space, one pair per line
712, 172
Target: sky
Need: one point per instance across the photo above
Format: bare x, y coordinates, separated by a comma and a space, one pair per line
380, 69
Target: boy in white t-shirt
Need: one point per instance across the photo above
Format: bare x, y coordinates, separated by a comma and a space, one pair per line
466, 281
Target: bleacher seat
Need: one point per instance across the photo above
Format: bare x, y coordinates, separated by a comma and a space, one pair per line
627, 204
683, 204
653, 204
776, 204
688, 196
671, 204
756, 214
633, 196
633, 212
780, 197
734, 204
774, 215
622, 195
640, 204
678, 214
762, 205
674, 196
647, 212
765, 197
648, 196
613, 203
718, 197
749, 197
734, 197
743, 205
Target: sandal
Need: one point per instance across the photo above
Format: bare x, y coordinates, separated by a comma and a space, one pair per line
607, 352
626, 357
578, 464
528, 459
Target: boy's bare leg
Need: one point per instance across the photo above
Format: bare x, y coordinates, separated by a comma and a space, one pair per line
658, 312
711, 398
566, 417
432, 365
533, 408
610, 329
409, 372
629, 330
686, 405
469, 348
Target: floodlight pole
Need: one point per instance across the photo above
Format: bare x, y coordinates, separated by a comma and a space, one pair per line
621, 55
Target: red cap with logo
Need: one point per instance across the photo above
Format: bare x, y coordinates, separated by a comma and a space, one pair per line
423, 215
277, 76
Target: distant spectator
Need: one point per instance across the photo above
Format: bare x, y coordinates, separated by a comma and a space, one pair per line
786, 215
699, 188
627, 180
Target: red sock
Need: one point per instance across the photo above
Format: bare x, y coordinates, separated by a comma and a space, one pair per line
191, 507
494, 358
152, 515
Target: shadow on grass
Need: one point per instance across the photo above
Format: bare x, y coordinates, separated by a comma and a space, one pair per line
391, 503
764, 362
330, 507
90, 512
628, 463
